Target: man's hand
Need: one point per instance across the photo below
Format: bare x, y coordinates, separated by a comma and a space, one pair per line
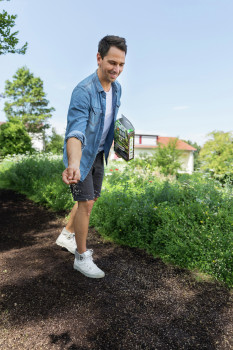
71, 175
74, 151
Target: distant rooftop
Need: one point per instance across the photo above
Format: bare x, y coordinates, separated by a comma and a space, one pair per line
147, 141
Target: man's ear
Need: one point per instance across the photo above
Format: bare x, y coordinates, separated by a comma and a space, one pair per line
99, 59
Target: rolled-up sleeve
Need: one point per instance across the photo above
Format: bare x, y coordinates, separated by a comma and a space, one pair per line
78, 135
78, 115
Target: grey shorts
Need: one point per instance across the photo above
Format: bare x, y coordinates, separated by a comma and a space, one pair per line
90, 188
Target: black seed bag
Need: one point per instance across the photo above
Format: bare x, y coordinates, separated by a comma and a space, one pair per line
124, 133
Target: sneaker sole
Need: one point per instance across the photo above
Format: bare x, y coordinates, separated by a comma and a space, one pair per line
63, 246
86, 274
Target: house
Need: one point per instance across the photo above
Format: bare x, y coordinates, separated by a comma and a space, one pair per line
147, 144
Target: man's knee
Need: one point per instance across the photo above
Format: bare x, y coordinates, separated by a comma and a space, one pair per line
87, 206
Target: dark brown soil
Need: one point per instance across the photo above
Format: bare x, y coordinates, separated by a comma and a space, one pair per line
140, 304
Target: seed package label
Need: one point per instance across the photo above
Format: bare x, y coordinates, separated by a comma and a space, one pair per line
124, 133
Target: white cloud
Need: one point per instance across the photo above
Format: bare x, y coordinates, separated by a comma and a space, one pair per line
180, 108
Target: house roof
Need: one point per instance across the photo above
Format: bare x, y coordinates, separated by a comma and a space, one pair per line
184, 146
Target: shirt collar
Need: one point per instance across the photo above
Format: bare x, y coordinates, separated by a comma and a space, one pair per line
99, 86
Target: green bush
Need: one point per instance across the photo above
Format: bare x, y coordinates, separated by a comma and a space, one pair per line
39, 177
188, 222
14, 138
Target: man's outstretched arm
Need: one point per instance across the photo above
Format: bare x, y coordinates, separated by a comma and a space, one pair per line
71, 175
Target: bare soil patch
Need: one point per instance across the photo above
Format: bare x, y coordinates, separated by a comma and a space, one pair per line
140, 304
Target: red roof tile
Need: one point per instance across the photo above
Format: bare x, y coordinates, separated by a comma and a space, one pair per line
184, 146
180, 144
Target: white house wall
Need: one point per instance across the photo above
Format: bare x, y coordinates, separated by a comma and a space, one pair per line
148, 151
145, 141
191, 162
37, 141
187, 162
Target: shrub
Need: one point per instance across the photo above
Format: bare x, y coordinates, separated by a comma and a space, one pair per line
188, 222
14, 138
39, 177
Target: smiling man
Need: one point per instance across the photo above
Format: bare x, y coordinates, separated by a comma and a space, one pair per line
89, 136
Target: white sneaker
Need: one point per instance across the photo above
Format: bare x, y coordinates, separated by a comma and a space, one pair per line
67, 240
84, 264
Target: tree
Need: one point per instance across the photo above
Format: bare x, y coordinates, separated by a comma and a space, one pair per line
217, 154
14, 138
26, 101
9, 40
167, 158
55, 143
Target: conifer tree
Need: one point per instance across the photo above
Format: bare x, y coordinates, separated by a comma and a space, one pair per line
26, 101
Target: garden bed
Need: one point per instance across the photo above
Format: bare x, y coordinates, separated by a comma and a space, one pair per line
142, 303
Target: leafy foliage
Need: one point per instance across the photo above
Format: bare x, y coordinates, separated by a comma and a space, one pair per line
55, 143
187, 222
39, 177
8, 39
14, 138
167, 158
217, 154
26, 100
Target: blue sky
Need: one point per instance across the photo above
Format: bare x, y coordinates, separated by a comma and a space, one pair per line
178, 77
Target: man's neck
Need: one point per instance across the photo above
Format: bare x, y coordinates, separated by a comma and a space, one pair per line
106, 85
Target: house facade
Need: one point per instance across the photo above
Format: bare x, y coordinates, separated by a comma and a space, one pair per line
147, 144
38, 142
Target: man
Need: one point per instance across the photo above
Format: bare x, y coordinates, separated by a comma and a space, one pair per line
89, 136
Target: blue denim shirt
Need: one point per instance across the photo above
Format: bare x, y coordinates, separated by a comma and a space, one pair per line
85, 120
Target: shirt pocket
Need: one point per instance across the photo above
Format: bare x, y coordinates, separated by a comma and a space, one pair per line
95, 115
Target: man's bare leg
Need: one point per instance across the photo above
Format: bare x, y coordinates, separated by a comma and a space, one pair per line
83, 261
70, 224
66, 238
81, 224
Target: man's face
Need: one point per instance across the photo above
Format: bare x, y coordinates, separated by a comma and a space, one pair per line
111, 66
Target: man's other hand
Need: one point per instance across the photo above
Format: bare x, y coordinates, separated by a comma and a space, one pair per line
71, 175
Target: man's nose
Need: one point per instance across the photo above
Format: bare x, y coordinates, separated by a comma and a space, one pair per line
117, 69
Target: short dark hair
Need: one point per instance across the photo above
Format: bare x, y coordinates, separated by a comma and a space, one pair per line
111, 40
